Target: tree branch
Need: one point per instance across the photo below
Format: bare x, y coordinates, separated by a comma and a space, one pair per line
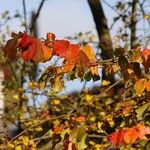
36, 16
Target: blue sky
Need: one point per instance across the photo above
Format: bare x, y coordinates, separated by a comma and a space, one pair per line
62, 17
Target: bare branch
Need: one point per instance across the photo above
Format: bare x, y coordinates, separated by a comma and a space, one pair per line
36, 16
25, 15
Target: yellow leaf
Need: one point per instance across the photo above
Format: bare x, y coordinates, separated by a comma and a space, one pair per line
57, 83
105, 82
19, 147
147, 16
88, 98
16, 96
90, 54
33, 85
56, 101
139, 86
115, 68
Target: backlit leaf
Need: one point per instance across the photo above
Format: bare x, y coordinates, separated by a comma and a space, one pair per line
131, 135
61, 47
147, 86
33, 49
117, 138
146, 57
11, 46
90, 54
140, 111
139, 86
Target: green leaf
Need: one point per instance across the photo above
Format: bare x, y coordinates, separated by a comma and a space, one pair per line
140, 111
80, 134
81, 145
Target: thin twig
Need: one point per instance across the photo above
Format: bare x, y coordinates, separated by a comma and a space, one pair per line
25, 15
111, 86
96, 136
45, 135
36, 16
43, 121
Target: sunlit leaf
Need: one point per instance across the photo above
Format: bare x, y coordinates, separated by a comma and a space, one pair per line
10, 49
33, 49
140, 111
139, 86
146, 57
90, 54
147, 86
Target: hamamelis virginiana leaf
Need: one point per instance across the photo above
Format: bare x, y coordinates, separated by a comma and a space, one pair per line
33, 49
146, 57
129, 135
10, 49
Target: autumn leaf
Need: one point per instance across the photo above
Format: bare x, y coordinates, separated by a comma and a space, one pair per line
51, 36
116, 138
142, 130
90, 54
58, 129
147, 86
80, 119
61, 48
83, 62
139, 86
146, 57
57, 83
10, 49
71, 58
33, 49
130, 135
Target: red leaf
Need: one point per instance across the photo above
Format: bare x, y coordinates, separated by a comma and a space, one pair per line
33, 49
11, 46
129, 135
61, 48
51, 36
58, 129
72, 57
146, 57
117, 138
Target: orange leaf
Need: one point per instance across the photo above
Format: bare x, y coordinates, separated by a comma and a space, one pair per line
143, 130
117, 138
58, 129
80, 119
90, 54
131, 135
146, 57
147, 86
72, 57
50, 36
33, 49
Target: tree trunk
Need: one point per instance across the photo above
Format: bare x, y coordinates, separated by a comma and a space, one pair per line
100, 20
105, 41
133, 23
